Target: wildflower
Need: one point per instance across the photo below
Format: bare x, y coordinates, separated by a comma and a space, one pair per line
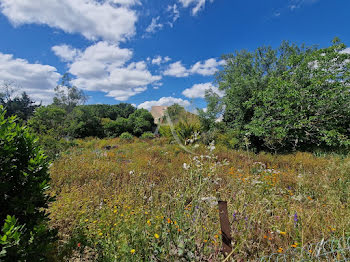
283, 233
95, 221
100, 234
156, 236
216, 236
78, 244
179, 230
86, 220
115, 211
295, 245
265, 236
149, 222
295, 218
146, 213
280, 250
310, 251
169, 220
205, 241
185, 166
132, 251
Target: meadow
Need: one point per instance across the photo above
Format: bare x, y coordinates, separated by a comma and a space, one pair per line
149, 200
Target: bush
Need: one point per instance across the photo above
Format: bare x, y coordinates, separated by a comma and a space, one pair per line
24, 181
126, 136
148, 135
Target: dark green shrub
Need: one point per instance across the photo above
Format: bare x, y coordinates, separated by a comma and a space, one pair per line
23, 184
148, 135
126, 136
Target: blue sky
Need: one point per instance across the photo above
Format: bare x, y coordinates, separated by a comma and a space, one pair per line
149, 52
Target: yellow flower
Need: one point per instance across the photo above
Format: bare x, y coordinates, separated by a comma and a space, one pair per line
205, 241
216, 236
132, 251
156, 236
146, 213
175, 223
115, 211
280, 250
169, 220
100, 234
86, 220
149, 222
283, 233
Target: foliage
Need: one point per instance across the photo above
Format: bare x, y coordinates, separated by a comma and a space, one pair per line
275, 202
126, 136
23, 192
147, 135
290, 98
208, 118
68, 96
141, 121
10, 237
22, 106
114, 128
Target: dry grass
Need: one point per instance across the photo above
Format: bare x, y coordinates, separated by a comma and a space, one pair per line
138, 201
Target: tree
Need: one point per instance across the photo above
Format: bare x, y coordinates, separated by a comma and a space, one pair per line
24, 180
68, 96
141, 121
22, 106
289, 98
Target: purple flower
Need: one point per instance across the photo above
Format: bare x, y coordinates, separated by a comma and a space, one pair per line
295, 218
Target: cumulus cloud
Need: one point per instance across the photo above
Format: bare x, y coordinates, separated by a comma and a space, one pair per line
105, 67
176, 69
205, 68
154, 25
197, 5
65, 52
346, 51
111, 20
198, 90
37, 80
164, 101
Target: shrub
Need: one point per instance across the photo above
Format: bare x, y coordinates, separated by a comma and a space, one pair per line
165, 131
126, 136
148, 135
24, 181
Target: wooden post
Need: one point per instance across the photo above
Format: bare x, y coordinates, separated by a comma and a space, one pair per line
225, 229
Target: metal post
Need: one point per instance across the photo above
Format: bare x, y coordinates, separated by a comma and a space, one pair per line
225, 229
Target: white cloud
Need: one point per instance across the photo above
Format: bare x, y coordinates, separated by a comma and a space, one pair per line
65, 52
37, 80
164, 101
346, 51
154, 26
205, 68
175, 13
176, 69
159, 60
111, 20
198, 90
208, 67
103, 67
197, 4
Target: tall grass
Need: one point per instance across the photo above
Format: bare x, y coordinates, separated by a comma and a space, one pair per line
151, 201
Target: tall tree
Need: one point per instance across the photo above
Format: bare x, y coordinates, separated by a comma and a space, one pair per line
289, 98
68, 96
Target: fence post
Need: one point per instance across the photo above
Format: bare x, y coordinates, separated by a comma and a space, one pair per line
225, 229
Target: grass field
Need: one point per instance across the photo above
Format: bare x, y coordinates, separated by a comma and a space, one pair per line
150, 200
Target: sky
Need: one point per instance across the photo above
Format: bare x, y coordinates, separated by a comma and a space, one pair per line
149, 52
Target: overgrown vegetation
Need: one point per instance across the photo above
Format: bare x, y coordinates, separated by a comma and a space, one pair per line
152, 201
24, 181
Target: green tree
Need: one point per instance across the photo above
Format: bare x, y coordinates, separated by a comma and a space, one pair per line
68, 96
289, 98
24, 180
141, 121
22, 106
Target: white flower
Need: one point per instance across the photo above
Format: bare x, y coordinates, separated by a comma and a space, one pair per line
185, 166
